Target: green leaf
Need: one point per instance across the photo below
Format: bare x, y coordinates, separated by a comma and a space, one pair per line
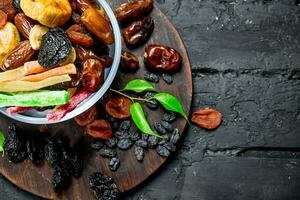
2, 139
140, 120
139, 86
170, 103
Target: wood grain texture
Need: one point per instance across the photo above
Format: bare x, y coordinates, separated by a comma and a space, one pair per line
131, 173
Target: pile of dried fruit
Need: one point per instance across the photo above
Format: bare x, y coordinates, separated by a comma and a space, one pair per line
53, 51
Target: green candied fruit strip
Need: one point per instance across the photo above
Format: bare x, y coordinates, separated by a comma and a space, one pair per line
39, 98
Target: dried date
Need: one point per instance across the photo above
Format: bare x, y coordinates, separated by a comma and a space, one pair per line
207, 118
164, 59
21, 54
138, 32
24, 24
131, 10
118, 108
78, 35
99, 129
92, 75
87, 117
129, 62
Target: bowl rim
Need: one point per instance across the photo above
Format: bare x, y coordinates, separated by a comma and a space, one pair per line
85, 105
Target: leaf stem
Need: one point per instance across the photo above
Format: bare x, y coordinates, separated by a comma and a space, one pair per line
129, 97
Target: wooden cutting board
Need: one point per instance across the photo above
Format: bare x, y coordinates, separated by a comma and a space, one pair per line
37, 180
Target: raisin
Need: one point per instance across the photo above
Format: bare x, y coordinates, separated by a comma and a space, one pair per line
55, 48
134, 136
164, 139
152, 141
97, 145
107, 152
170, 146
114, 164
125, 125
124, 144
167, 78
154, 103
167, 126
175, 136
103, 187
60, 180
111, 142
162, 151
52, 150
145, 137
160, 128
15, 145
142, 143
139, 153
207, 118
151, 77
35, 148
169, 117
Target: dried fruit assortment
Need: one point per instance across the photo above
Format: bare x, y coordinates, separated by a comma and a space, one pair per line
40, 43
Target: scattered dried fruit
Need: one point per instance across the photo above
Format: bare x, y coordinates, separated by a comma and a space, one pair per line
97, 145
114, 164
78, 35
167, 78
163, 59
139, 153
99, 129
24, 24
60, 180
138, 32
118, 108
35, 148
131, 10
129, 62
162, 151
36, 34
124, 144
107, 152
87, 117
207, 118
151, 77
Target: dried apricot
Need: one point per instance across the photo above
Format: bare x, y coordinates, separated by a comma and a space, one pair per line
99, 128
207, 118
118, 108
87, 117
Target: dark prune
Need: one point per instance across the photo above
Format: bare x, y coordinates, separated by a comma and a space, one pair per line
167, 78
60, 180
55, 48
138, 32
52, 150
15, 145
131, 10
97, 145
111, 142
162, 151
151, 77
159, 128
124, 144
154, 105
142, 143
175, 136
159, 58
167, 126
106, 152
73, 163
35, 148
16, 4
169, 117
129, 62
152, 141
134, 136
125, 125
114, 164
103, 187
139, 153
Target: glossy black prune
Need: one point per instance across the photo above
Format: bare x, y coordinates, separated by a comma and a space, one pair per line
53, 151
15, 145
103, 187
35, 148
55, 48
60, 180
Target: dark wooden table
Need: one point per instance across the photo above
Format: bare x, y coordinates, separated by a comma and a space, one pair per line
245, 56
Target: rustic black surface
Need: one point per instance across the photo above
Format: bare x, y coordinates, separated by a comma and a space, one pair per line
246, 63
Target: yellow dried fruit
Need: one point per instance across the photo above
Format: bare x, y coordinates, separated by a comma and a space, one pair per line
71, 58
35, 36
9, 39
51, 13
